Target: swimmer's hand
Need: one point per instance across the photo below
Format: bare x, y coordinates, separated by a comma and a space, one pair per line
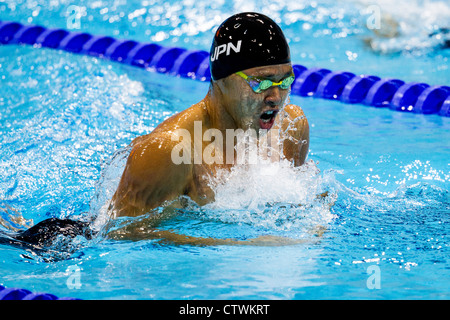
13, 219
321, 196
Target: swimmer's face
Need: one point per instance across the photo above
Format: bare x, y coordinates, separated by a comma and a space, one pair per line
252, 110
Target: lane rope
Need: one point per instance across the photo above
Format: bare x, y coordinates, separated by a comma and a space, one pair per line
316, 82
24, 294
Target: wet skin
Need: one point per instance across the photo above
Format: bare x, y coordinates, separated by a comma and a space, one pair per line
150, 177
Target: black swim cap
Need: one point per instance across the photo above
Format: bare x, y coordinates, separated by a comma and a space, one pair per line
247, 40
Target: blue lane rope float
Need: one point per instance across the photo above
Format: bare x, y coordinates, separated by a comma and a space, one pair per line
24, 294
317, 82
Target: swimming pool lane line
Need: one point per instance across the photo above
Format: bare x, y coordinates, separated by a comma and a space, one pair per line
322, 83
24, 294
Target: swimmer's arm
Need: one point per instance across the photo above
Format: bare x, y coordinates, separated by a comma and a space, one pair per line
150, 177
295, 129
173, 238
147, 229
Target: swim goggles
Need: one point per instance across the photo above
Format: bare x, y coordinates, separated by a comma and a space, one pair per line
260, 84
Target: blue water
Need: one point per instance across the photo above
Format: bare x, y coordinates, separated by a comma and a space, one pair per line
66, 120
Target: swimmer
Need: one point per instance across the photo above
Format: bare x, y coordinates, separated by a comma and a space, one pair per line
390, 36
251, 73
251, 76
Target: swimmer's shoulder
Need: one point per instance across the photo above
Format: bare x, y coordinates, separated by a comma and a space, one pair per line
182, 120
154, 150
294, 111
296, 144
293, 115
151, 176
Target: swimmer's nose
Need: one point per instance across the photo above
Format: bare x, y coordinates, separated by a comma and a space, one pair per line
273, 97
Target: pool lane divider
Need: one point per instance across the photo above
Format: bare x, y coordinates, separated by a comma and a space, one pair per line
322, 83
24, 294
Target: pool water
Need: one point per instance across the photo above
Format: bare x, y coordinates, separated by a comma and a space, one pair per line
66, 122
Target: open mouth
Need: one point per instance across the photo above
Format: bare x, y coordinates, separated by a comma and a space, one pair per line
267, 119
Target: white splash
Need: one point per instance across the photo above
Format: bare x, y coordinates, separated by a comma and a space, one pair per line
273, 195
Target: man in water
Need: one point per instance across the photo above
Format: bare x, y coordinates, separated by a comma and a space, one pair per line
251, 76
